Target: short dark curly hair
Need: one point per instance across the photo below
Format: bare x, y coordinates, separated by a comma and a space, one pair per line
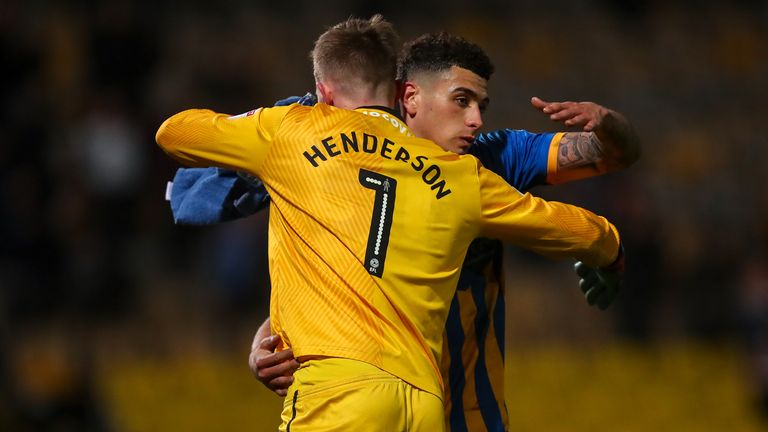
435, 52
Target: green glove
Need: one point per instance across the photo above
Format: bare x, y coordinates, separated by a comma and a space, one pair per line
601, 286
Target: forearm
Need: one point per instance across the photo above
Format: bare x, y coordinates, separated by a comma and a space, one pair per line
620, 145
555, 230
548, 228
608, 143
202, 138
564, 231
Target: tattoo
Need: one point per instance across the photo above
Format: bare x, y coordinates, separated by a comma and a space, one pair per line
579, 149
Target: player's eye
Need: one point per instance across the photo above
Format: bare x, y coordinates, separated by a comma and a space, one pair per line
462, 101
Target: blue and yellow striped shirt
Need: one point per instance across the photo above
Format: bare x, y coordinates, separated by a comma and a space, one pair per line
473, 352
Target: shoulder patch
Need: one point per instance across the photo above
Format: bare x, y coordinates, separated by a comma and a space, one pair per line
246, 114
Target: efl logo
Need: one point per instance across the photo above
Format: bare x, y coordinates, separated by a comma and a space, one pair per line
248, 114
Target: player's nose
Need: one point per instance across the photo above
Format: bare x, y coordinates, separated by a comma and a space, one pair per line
474, 118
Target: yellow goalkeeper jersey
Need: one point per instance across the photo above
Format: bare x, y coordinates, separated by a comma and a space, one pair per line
369, 226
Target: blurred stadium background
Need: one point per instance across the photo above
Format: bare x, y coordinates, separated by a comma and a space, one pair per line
114, 319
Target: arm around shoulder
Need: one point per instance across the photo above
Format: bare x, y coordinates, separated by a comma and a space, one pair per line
606, 143
185, 136
552, 229
202, 138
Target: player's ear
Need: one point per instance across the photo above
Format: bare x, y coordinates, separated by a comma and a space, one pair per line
411, 94
324, 93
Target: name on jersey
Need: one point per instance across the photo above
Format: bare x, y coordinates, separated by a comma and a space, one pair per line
362, 142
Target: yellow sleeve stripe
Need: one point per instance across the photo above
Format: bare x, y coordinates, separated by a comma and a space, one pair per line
554, 148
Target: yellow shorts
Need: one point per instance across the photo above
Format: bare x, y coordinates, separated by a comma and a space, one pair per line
335, 394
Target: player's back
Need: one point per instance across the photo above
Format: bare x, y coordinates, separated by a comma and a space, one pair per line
368, 230
369, 226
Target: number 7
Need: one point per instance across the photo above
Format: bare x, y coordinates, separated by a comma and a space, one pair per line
381, 221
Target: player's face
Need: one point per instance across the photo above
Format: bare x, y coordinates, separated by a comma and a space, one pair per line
446, 107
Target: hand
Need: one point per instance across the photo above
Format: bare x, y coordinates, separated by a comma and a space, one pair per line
273, 369
589, 115
600, 286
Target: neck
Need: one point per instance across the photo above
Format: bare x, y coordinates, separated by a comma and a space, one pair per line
356, 102
353, 95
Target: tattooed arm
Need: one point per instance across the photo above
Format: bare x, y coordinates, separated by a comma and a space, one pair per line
607, 141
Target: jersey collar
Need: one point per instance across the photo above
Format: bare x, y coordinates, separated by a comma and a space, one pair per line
387, 114
389, 110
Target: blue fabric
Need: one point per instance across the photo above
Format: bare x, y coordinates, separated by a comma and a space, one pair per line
519, 156
456, 369
498, 321
206, 196
486, 400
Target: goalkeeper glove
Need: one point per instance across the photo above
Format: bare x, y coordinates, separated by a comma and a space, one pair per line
601, 285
